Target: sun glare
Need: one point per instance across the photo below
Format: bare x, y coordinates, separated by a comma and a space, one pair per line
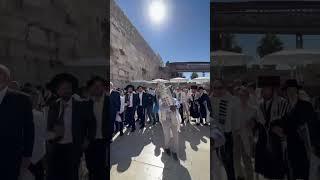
157, 11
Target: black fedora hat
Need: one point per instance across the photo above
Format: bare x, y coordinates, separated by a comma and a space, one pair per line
291, 83
64, 77
129, 86
268, 81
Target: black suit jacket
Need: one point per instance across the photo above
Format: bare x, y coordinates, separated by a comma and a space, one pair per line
17, 128
105, 115
82, 120
114, 104
136, 100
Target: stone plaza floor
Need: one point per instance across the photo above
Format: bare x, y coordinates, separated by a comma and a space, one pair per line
140, 155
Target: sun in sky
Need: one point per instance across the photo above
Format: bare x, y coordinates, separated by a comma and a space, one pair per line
157, 11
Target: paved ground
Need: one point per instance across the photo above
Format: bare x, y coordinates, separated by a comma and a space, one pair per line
140, 156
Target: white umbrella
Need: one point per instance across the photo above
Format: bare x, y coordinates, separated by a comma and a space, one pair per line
292, 58
201, 80
159, 80
222, 59
178, 80
228, 58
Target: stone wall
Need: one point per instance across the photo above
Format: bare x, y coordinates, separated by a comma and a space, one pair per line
39, 37
131, 58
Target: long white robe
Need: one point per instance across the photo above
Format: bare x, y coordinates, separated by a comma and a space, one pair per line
170, 122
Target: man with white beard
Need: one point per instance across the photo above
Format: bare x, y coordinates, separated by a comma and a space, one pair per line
170, 119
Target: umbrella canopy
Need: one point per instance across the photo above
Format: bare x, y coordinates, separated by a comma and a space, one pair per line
228, 58
292, 57
159, 80
201, 80
140, 82
178, 80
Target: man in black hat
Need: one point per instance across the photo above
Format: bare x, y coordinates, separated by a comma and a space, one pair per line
205, 106
295, 125
141, 101
114, 107
130, 107
194, 104
96, 159
269, 157
68, 125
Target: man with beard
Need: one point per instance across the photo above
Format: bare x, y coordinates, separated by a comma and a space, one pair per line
269, 156
96, 159
68, 123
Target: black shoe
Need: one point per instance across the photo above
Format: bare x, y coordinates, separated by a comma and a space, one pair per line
175, 156
121, 133
167, 151
133, 129
142, 126
198, 124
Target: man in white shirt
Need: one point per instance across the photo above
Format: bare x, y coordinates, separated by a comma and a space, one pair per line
130, 107
70, 123
96, 159
141, 101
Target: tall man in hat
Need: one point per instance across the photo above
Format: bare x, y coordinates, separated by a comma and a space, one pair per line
16, 129
295, 125
96, 159
69, 120
269, 156
130, 107
222, 103
194, 104
114, 108
141, 101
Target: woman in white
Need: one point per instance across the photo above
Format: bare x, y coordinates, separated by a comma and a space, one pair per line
36, 169
243, 117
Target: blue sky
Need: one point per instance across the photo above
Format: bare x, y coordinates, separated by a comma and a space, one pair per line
183, 36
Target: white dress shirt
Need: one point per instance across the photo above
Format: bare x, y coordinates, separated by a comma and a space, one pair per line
40, 136
67, 119
98, 110
3, 93
130, 100
140, 97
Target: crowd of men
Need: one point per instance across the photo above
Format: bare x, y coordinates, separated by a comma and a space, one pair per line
144, 105
45, 131
268, 129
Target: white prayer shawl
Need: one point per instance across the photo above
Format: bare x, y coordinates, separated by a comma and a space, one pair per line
279, 108
122, 105
164, 112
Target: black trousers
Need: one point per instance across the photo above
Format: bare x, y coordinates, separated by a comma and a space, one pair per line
151, 114
9, 166
37, 170
141, 114
96, 160
181, 112
119, 125
130, 117
63, 161
226, 152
